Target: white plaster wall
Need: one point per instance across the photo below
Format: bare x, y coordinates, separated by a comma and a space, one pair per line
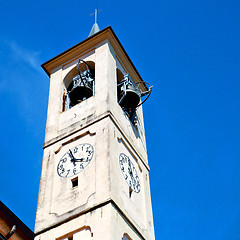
103, 223
57, 199
102, 180
137, 207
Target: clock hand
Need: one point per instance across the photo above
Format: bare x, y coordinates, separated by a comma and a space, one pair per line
131, 172
70, 154
79, 159
129, 167
73, 159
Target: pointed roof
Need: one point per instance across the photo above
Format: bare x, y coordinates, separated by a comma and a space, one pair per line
95, 29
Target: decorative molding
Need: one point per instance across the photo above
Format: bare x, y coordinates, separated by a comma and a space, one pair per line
70, 234
74, 139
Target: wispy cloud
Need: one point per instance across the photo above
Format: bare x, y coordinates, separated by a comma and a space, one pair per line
15, 60
20, 79
28, 56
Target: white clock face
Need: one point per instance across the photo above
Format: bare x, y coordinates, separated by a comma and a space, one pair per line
75, 160
129, 172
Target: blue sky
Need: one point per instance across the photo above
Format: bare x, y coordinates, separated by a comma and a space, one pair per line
189, 51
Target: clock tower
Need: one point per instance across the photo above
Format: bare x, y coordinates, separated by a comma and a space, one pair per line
95, 174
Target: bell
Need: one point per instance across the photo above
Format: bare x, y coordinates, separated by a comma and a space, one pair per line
130, 97
82, 89
80, 93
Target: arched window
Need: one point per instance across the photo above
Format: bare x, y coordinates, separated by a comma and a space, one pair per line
126, 237
128, 95
79, 234
79, 84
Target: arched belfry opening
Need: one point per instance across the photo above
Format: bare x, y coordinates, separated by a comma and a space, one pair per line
126, 237
131, 95
79, 84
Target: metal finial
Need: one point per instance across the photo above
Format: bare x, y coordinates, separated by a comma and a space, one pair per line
95, 27
95, 13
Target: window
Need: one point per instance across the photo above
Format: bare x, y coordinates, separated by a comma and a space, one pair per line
75, 182
79, 84
129, 96
126, 237
83, 233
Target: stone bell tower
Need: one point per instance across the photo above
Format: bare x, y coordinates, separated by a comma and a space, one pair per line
95, 174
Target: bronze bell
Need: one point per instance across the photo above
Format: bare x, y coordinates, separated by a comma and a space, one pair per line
80, 91
82, 86
79, 94
130, 98
129, 94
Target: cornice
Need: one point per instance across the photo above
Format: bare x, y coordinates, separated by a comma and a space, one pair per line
89, 43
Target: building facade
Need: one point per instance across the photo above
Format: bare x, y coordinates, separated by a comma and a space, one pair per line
95, 174
11, 227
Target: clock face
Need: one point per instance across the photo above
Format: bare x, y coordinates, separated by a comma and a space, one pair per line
129, 172
75, 160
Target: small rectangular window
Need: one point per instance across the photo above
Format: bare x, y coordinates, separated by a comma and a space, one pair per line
74, 183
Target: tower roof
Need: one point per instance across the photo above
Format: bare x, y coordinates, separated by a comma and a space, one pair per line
88, 43
95, 29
